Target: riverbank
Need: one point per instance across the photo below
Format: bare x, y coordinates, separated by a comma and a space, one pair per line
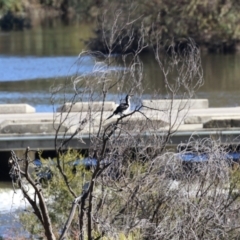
19, 14
214, 26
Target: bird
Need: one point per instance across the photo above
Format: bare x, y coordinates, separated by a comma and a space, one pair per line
122, 108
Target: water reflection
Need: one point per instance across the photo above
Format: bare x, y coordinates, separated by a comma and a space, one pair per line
221, 79
48, 40
59, 46
221, 75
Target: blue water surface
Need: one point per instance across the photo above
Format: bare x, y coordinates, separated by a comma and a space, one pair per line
14, 68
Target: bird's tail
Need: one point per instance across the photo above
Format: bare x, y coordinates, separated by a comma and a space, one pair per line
110, 116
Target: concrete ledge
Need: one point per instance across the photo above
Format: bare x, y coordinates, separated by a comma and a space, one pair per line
223, 122
196, 119
30, 126
144, 125
198, 116
166, 104
16, 108
140, 124
85, 106
190, 127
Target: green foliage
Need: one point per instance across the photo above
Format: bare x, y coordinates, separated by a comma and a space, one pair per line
11, 5
131, 236
79, 6
203, 20
235, 177
30, 223
58, 197
142, 198
212, 24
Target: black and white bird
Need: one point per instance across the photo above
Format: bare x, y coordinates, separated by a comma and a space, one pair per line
123, 108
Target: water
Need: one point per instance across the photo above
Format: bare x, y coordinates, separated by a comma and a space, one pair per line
28, 79
222, 80
10, 203
15, 69
32, 60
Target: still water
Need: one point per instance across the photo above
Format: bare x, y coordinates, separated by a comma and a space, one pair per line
32, 60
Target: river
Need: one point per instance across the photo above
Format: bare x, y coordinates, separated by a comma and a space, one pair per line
32, 60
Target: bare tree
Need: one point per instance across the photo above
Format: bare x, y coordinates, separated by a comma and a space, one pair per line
138, 187
20, 173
